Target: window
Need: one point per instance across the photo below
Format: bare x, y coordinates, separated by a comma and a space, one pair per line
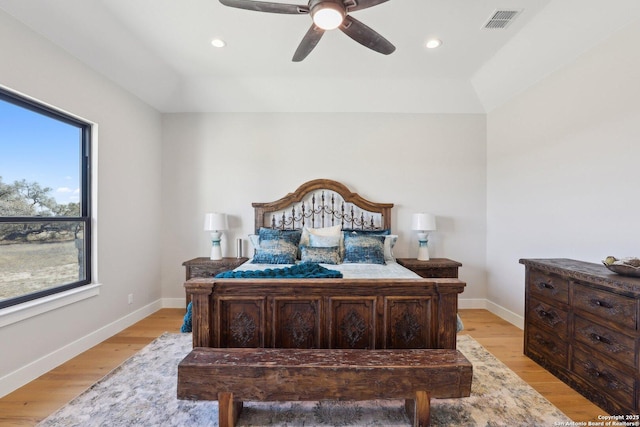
45, 218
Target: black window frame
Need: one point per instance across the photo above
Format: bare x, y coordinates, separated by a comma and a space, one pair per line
85, 196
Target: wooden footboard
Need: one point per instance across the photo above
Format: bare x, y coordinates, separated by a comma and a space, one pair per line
325, 313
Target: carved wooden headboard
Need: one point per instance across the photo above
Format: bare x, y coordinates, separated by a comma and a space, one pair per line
322, 203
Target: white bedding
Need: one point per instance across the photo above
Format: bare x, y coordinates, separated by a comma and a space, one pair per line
390, 270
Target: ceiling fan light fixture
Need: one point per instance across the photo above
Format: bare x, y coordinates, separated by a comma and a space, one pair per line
327, 16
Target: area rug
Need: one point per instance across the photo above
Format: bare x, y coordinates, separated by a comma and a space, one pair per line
142, 392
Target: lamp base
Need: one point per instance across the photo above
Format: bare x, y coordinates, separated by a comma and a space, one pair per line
423, 248
216, 249
423, 253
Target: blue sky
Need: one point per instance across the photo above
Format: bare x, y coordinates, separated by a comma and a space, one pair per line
41, 149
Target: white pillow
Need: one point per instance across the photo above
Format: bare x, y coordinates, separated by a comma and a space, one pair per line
389, 243
324, 231
318, 241
255, 240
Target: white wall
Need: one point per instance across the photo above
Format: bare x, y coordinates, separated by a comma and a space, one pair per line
563, 171
419, 162
129, 206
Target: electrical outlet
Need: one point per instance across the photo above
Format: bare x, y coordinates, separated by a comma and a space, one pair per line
130, 298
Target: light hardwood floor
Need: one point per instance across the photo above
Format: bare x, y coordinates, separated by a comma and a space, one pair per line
36, 400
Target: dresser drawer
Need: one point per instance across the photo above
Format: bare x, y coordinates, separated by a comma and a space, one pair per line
606, 306
548, 286
200, 271
546, 346
605, 342
617, 385
547, 316
432, 273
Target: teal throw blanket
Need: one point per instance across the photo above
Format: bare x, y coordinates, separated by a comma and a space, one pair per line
305, 270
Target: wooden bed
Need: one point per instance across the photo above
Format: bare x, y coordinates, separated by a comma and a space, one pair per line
324, 313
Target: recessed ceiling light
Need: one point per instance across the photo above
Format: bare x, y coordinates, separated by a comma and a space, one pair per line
218, 43
433, 43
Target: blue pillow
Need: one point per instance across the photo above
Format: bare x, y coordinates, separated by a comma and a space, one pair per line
292, 236
363, 248
275, 251
380, 232
324, 255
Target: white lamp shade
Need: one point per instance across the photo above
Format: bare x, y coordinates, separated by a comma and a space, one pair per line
423, 222
215, 222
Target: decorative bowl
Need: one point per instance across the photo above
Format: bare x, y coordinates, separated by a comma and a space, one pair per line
624, 267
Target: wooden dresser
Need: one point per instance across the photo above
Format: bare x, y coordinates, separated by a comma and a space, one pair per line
581, 324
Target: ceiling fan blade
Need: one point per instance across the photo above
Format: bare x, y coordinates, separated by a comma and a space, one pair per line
263, 6
309, 41
352, 5
366, 36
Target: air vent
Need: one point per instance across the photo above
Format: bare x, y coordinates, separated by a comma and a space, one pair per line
501, 19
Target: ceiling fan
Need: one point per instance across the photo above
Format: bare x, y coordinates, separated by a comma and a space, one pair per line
326, 15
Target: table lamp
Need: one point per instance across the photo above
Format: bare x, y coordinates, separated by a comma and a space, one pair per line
423, 223
215, 222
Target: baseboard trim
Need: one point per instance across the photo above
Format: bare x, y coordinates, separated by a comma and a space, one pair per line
498, 310
505, 314
33, 370
173, 303
479, 303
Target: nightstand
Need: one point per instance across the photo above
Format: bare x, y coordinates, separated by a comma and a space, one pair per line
433, 268
205, 267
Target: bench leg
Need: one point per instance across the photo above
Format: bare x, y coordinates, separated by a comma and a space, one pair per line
228, 410
419, 410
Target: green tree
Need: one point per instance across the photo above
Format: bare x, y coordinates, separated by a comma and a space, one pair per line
36, 197
30, 199
10, 202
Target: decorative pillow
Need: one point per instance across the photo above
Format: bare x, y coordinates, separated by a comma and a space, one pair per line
292, 236
275, 251
389, 243
255, 240
319, 241
380, 232
324, 255
324, 231
363, 249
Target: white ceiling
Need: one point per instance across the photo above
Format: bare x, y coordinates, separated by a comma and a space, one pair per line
160, 51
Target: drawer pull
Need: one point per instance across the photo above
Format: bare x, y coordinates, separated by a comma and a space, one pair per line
550, 316
546, 285
611, 380
601, 339
602, 304
545, 313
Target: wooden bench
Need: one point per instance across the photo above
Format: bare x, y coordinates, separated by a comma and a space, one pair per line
234, 375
